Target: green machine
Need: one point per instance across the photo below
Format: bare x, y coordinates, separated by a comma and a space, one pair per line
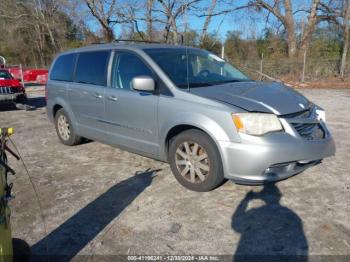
11, 249
6, 249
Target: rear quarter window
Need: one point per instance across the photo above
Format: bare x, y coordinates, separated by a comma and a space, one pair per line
62, 70
92, 68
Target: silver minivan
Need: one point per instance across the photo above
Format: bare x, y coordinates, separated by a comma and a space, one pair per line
188, 107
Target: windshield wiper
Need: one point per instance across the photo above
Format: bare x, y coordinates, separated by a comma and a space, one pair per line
191, 85
204, 84
231, 81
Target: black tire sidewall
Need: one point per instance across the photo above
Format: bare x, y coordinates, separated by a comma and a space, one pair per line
215, 176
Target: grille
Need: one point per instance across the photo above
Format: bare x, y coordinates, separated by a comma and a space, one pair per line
309, 130
306, 124
5, 90
10, 90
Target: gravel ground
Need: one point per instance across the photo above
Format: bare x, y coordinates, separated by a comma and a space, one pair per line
99, 200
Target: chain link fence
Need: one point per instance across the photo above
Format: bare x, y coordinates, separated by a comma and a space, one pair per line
293, 69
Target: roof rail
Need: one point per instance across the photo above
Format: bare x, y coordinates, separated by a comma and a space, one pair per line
136, 41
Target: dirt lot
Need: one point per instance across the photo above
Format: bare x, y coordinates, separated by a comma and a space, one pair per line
100, 200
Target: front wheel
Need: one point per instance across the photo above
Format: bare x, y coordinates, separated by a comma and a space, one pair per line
195, 161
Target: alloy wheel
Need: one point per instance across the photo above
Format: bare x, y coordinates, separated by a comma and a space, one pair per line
63, 127
192, 162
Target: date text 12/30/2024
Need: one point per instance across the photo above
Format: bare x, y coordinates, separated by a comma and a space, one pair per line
173, 258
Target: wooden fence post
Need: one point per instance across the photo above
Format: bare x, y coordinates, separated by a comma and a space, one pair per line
304, 65
261, 65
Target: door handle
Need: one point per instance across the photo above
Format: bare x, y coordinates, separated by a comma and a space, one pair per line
113, 98
97, 95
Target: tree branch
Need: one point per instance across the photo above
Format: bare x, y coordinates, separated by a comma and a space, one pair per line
223, 12
272, 9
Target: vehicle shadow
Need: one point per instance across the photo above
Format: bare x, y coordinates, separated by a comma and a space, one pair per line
7, 107
271, 232
73, 235
37, 102
33, 103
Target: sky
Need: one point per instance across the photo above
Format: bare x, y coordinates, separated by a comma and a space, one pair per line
248, 22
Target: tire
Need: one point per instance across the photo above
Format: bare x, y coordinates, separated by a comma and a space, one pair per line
22, 99
210, 174
65, 130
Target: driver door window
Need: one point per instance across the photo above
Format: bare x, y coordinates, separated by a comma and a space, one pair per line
126, 66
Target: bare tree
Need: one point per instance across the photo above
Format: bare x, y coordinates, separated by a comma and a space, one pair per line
44, 11
310, 28
346, 19
132, 9
172, 11
338, 13
108, 14
149, 19
208, 18
33, 23
286, 17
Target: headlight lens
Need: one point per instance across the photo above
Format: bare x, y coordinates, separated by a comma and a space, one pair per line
321, 114
256, 123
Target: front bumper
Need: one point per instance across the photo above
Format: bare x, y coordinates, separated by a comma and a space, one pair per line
274, 157
12, 98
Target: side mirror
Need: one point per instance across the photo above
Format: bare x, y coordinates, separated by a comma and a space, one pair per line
143, 83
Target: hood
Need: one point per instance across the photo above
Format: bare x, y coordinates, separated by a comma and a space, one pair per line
257, 96
9, 83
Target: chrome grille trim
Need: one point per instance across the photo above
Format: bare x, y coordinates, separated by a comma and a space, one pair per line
309, 131
5, 90
306, 125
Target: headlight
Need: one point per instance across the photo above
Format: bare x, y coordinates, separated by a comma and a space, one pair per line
256, 123
321, 114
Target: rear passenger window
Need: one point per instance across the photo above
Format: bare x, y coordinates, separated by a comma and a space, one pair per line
62, 70
92, 68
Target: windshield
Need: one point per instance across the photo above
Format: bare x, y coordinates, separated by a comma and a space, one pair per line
189, 68
4, 75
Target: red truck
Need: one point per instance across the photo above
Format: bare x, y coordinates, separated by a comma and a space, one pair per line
11, 90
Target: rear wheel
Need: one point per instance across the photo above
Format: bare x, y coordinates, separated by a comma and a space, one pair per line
65, 130
195, 161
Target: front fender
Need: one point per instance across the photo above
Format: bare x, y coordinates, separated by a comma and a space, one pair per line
206, 124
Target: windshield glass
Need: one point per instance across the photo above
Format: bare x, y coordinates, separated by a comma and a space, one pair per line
4, 75
189, 68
